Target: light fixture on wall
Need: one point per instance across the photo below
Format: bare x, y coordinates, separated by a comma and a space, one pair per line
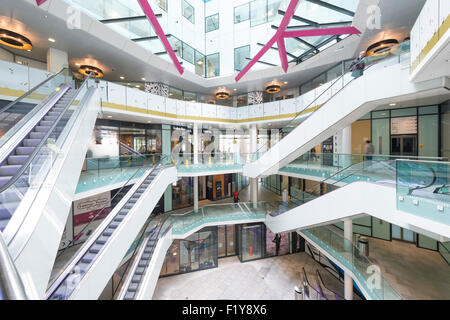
222, 94
381, 48
273, 88
15, 40
86, 70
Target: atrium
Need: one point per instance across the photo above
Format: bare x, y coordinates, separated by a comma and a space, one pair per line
224, 150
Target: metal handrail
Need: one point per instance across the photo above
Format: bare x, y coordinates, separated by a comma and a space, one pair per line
11, 285
41, 143
9, 105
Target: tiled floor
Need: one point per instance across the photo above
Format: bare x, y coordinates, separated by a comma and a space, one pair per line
268, 279
414, 272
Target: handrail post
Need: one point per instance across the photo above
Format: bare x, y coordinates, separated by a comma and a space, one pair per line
10, 282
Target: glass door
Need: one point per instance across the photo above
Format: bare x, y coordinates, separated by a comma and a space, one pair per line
402, 234
404, 145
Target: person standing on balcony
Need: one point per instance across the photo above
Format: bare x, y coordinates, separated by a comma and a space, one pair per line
369, 150
236, 196
358, 65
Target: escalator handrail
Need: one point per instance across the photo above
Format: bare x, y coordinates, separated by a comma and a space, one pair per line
12, 103
11, 285
123, 145
33, 155
322, 283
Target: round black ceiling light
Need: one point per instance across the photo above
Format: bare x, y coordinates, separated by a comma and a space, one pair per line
273, 88
381, 48
90, 70
222, 95
15, 40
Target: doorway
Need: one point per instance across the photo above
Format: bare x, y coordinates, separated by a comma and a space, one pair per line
404, 145
399, 233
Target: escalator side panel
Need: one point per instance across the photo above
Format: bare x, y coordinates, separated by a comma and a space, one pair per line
36, 242
102, 269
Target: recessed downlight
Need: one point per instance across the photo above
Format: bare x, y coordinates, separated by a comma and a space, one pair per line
51, 40
392, 104
122, 77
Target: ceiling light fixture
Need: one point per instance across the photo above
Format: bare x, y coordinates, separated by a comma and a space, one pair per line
122, 77
51, 40
15, 40
392, 104
87, 70
143, 79
381, 48
273, 88
285, 82
222, 95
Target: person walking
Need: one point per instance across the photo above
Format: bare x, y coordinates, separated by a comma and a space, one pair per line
277, 241
358, 65
369, 150
236, 196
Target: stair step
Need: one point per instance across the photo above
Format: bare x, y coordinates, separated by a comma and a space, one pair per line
9, 170
45, 123
136, 278
139, 271
88, 258
3, 224
41, 129
31, 142
4, 180
133, 287
50, 118
17, 159
101, 240
37, 135
24, 150
5, 213
95, 248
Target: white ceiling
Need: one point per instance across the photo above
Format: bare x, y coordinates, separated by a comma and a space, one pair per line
118, 56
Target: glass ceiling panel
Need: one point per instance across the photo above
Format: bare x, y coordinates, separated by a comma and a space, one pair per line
316, 13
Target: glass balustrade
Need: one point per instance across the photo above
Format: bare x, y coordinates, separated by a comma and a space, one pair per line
423, 189
365, 271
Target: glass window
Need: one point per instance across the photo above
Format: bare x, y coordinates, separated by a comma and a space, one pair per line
272, 9
162, 4
212, 23
213, 65
188, 11
241, 100
240, 55
177, 46
429, 110
190, 96
258, 12
175, 93
403, 112
188, 53
334, 73
380, 114
242, 13
199, 63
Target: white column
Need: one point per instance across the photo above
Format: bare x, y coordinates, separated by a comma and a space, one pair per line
195, 194
253, 149
195, 143
347, 145
348, 281
56, 60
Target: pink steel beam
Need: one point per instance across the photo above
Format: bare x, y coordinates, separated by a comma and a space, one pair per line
39, 2
279, 34
160, 33
321, 32
283, 54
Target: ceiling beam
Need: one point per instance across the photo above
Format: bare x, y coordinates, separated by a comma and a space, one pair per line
333, 7
274, 48
298, 18
263, 62
126, 19
148, 38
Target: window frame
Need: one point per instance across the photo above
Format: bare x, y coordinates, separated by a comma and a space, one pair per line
249, 50
193, 11
218, 22
218, 64
234, 12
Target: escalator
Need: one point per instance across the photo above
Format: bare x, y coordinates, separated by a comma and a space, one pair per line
334, 106
16, 163
85, 276
40, 160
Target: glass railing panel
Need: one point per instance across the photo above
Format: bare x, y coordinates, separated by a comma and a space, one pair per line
210, 161
423, 189
366, 272
16, 114
102, 172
